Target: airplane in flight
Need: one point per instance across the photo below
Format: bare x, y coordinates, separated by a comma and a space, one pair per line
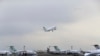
49, 29
93, 52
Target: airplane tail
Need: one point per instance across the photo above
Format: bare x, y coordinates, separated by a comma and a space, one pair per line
44, 29
12, 49
56, 48
96, 46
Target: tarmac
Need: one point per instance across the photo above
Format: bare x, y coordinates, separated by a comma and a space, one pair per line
46, 54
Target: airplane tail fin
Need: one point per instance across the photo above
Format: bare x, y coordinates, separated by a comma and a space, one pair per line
96, 46
56, 48
12, 49
44, 29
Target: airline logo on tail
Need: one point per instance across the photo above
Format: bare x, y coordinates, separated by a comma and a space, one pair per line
49, 29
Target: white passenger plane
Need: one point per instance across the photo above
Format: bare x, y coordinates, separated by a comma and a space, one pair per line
49, 29
14, 52
5, 53
93, 52
74, 52
55, 50
22, 52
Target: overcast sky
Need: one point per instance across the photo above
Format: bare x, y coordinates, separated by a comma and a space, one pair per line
77, 23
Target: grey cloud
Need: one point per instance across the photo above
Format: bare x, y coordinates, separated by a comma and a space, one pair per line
19, 17
28, 17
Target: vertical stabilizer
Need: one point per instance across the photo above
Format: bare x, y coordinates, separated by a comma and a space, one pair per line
12, 49
44, 29
56, 48
96, 46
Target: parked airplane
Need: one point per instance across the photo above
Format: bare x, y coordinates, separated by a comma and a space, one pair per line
5, 53
49, 29
93, 52
75, 52
55, 50
14, 52
22, 52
